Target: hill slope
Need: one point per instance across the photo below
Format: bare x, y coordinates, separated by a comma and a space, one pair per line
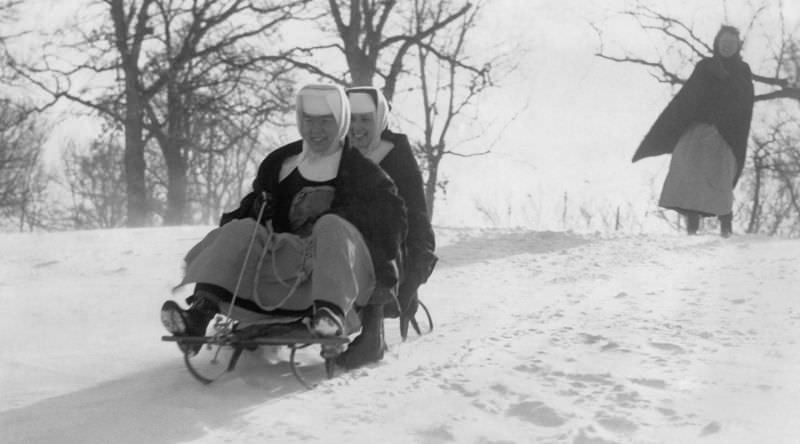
540, 337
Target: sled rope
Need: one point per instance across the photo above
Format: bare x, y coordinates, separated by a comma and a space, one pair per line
301, 276
247, 256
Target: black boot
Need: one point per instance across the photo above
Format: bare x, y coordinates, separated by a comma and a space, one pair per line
192, 321
369, 345
726, 225
692, 223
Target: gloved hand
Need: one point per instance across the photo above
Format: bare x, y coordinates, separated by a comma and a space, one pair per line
261, 199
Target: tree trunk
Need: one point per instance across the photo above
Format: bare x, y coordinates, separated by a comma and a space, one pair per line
134, 155
174, 158
752, 226
176, 188
431, 182
361, 71
134, 109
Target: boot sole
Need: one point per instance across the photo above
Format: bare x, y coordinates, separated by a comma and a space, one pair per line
172, 318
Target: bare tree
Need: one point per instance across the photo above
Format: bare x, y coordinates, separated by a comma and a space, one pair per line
22, 180
92, 176
225, 157
8, 14
448, 86
213, 64
779, 207
148, 61
375, 39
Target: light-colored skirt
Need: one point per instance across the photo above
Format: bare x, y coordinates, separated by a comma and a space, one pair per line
287, 271
701, 173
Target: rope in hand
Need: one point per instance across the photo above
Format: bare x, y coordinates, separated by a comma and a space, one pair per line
301, 276
247, 257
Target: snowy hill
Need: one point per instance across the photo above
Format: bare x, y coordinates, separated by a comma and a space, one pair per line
540, 337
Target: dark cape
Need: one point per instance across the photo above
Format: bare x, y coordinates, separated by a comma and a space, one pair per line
420, 244
364, 196
719, 92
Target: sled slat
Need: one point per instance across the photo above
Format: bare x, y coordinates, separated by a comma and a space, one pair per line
255, 342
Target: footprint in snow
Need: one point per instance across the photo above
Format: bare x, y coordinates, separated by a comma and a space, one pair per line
537, 413
616, 423
591, 339
528, 368
469, 393
45, 264
666, 346
710, 429
437, 434
610, 346
667, 412
582, 438
654, 383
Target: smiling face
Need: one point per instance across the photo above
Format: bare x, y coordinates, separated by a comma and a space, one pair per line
728, 44
319, 131
362, 130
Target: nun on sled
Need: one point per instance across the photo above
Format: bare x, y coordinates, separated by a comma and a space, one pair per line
316, 241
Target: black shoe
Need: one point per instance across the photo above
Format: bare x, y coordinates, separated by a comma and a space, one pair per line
369, 346
190, 322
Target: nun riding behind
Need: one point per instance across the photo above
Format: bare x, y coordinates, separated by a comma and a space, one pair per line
369, 134
323, 225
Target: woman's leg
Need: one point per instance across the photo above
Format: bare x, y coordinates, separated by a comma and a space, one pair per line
343, 274
726, 225
692, 222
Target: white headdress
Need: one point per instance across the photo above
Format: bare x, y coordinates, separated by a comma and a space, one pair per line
367, 99
320, 100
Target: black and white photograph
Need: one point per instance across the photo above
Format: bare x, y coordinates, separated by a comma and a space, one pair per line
400, 221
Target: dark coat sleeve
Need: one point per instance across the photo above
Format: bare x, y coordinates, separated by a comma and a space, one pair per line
675, 119
367, 198
420, 242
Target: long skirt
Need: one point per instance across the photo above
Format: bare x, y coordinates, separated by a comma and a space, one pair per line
701, 173
286, 271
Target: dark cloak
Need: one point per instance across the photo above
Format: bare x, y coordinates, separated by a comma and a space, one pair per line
719, 92
420, 244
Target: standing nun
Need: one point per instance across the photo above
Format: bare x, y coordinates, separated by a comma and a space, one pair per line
705, 127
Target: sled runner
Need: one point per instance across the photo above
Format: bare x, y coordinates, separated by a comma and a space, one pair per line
209, 357
406, 320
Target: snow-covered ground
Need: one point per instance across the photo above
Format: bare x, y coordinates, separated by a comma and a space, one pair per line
540, 337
